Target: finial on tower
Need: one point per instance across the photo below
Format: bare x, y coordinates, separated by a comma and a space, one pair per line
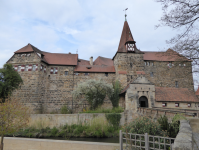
125, 13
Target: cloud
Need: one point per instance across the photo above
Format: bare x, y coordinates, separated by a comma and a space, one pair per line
93, 27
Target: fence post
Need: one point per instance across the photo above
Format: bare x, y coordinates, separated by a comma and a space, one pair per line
146, 141
121, 140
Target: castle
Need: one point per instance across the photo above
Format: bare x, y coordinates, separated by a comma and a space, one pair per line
149, 79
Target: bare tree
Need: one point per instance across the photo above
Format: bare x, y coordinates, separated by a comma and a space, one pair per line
183, 15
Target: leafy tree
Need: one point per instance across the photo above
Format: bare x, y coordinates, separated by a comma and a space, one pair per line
114, 96
183, 15
9, 81
13, 116
94, 91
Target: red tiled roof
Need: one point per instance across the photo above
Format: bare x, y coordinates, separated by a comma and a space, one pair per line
197, 92
174, 95
27, 48
103, 61
122, 72
61, 59
169, 55
140, 72
124, 37
101, 64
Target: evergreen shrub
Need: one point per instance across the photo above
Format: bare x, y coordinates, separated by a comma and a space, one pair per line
113, 119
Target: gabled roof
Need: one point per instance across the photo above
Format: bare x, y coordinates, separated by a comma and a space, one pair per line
168, 94
169, 55
103, 61
197, 92
51, 58
60, 59
27, 48
101, 64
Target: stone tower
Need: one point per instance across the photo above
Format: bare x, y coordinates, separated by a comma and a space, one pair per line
128, 60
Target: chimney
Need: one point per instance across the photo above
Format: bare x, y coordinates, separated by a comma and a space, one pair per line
91, 60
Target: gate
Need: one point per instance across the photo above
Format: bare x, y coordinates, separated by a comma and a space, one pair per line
130, 141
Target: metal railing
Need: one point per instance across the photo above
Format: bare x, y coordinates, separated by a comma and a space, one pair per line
144, 142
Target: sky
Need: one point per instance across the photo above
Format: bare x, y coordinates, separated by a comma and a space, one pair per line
87, 27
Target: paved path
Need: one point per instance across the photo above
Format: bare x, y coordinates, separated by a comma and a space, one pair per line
196, 141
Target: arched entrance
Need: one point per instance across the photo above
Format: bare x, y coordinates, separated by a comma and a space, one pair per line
143, 101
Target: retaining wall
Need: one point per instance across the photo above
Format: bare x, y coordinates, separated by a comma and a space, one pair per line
56, 120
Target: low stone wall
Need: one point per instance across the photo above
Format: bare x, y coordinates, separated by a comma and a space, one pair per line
56, 120
184, 139
41, 144
194, 123
154, 113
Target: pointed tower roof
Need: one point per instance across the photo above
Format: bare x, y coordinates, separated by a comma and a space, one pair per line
126, 34
197, 92
126, 37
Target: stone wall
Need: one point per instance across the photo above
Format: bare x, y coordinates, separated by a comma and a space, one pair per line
182, 105
164, 76
46, 92
57, 120
184, 139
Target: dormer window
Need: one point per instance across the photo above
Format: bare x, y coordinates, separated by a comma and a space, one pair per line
130, 47
130, 44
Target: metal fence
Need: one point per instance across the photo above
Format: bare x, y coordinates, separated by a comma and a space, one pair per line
130, 141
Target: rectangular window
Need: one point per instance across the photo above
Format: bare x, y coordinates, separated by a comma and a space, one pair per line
148, 63
76, 73
26, 68
54, 70
152, 64
189, 104
176, 84
164, 104
176, 104
34, 67
86, 74
106, 74
145, 63
19, 68
66, 73
170, 64
151, 74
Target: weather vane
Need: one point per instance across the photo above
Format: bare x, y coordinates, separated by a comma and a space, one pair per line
125, 13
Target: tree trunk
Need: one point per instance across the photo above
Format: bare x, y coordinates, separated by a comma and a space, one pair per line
1, 144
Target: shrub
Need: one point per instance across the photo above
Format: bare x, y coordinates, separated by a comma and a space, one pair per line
54, 131
114, 96
142, 125
172, 128
65, 110
114, 119
94, 92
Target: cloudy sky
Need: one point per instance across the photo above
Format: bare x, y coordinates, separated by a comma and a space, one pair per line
91, 27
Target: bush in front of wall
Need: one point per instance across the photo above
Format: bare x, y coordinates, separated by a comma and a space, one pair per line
142, 125
114, 119
65, 110
172, 128
114, 96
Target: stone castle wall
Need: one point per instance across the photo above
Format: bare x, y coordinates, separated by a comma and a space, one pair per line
45, 92
157, 72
